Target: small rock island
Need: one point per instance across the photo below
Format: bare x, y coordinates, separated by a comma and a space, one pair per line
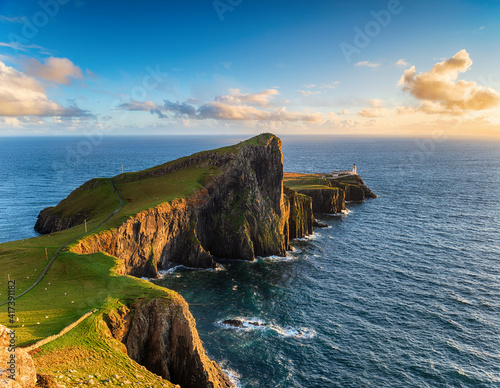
234, 202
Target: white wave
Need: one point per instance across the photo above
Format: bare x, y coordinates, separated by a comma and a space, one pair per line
297, 333
248, 324
313, 236
180, 267
289, 256
234, 376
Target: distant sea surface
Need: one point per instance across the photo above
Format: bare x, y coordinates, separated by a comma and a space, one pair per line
404, 291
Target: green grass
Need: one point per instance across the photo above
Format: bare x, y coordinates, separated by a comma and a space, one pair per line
150, 192
74, 285
316, 181
94, 198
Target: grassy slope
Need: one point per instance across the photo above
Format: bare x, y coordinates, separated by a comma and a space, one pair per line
76, 284
316, 181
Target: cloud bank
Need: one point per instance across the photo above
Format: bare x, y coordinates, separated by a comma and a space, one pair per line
440, 91
234, 106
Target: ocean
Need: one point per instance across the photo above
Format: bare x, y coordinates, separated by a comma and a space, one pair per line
403, 291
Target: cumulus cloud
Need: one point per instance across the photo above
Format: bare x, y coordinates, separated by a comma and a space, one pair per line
57, 70
235, 106
440, 91
22, 95
371, 65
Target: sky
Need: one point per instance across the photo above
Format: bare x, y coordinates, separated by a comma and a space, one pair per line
397, 68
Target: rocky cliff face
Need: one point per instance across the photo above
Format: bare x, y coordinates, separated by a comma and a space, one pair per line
161, 335
300, 214
358, 191
327, 200
152, 239
244, 212
241, 213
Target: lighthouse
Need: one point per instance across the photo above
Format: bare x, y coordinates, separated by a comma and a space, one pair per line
354, 169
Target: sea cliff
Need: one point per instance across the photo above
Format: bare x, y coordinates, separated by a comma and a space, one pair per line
227, 203
241, 212
161, 335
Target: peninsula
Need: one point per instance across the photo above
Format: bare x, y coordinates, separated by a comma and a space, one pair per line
233, 202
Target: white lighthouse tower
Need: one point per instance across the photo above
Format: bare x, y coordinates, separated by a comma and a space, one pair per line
354, 171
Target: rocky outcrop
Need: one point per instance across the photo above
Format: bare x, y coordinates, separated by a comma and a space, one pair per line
161, 335
357, 190
300, 214
241, 213
16, 366
326, 200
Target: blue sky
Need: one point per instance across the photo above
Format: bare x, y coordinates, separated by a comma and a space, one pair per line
241, 66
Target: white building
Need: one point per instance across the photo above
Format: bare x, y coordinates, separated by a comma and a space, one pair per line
336, 174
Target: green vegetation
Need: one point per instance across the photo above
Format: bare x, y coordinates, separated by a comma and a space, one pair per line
318, 181
94, 198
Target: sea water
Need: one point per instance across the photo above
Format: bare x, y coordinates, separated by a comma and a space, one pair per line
403, 290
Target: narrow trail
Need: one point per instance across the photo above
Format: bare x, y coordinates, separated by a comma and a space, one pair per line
47, 267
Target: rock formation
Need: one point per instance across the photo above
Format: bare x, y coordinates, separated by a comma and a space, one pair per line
241, 213
14, 362
161, 335
326, 200
300, 214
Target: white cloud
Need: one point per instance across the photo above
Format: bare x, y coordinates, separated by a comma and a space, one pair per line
402, 62
261, 99
371, 65
440, 91
308, 92
22, 95
58, 70
24, 47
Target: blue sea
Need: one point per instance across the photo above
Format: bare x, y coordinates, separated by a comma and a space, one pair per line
403, 291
